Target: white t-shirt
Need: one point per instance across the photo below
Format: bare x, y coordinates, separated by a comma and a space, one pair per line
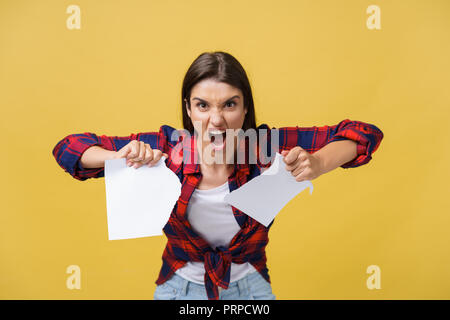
213, 219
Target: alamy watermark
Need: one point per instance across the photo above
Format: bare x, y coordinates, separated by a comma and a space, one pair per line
374, 20
74, 20
74, 280
374, 280
226, 146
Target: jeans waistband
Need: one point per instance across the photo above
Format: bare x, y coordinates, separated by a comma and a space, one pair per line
186, 285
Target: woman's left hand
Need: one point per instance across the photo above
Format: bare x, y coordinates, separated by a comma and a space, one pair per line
302, 164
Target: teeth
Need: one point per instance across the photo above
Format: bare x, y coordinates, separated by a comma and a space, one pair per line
214, 134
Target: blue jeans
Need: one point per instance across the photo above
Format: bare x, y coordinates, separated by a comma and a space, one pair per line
252, 287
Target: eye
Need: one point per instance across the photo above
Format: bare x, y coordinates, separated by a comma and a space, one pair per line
200, 105
232, 103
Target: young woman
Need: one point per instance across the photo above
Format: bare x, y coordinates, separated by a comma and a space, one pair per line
214, 250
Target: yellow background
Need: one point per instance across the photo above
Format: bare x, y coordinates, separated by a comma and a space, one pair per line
309, 63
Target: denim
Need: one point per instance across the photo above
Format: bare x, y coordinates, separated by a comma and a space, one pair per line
251, 287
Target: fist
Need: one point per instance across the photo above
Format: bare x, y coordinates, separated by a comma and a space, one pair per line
302, 164
139, 153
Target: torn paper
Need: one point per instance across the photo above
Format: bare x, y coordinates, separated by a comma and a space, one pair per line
139, 201
263, 197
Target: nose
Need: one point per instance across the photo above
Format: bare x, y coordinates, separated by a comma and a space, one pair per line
216, 118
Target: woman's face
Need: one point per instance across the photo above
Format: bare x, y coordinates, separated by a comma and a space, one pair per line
215, 107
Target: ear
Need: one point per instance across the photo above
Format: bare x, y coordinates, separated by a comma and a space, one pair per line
187, 108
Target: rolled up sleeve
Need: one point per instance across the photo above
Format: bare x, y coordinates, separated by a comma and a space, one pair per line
69, 150
367, 136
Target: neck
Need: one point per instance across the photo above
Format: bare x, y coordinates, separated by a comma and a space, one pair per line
216, 168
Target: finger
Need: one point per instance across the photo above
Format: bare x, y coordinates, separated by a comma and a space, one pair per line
138, 161
292, 155
301, 163
298, 170
137, 165
295, 164
157, 154
303, 156
134, 150
148, 154
141, 154
292, 166
124, 151
152, 155
156, 158
305, 174
301, 177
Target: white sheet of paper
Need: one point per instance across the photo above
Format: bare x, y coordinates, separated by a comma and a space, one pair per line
263, 197
139, 201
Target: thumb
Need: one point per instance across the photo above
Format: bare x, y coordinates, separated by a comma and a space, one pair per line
123, 153
284, 152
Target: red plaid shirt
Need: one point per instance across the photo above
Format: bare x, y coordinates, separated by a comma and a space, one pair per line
184, 244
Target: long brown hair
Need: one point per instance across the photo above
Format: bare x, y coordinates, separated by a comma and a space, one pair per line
222, 67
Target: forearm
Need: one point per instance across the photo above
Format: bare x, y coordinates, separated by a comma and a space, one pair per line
95, 156
335, 154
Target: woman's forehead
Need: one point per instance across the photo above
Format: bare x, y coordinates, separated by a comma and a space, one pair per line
212, 90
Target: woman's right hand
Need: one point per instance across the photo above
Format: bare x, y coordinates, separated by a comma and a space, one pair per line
139, 153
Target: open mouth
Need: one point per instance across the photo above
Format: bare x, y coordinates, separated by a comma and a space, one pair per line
218, 139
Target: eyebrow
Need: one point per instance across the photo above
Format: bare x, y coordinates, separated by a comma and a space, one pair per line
197, 98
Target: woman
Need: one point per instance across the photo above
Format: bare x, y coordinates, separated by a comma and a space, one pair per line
214, 250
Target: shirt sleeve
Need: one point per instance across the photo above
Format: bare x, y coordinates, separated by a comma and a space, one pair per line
367, 136
69, 150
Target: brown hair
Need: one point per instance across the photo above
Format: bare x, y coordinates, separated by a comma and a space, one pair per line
222, 67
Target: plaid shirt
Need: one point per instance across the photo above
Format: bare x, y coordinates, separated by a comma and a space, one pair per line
184, 244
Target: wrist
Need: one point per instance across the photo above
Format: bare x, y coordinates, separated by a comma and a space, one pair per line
321, 164
111, 155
